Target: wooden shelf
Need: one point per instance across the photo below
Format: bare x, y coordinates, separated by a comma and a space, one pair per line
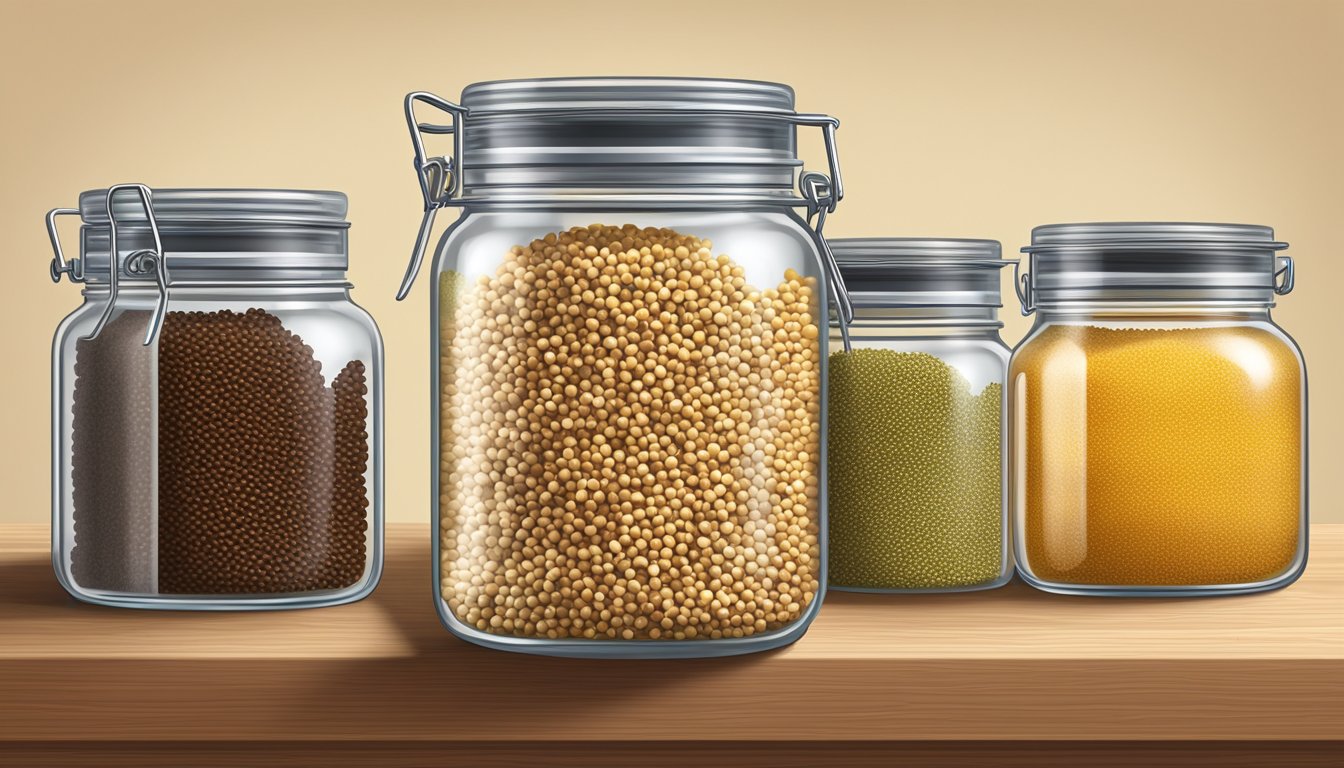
944, 674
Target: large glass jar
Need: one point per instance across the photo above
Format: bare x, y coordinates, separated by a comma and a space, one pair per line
628, 314
1158, 413
217, 404
915, 408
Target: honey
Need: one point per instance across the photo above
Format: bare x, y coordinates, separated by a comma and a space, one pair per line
1157, 457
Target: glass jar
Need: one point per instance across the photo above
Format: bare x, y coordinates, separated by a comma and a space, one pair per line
916, 450
628, 433
1158, 413
217, 404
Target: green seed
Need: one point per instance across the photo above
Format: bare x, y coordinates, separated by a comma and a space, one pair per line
915, 473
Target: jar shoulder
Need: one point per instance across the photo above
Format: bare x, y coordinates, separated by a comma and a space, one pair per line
490, 234
1106, 338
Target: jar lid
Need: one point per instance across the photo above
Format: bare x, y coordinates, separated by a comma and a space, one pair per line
211, 235
716, 136
920, 271
1154, 261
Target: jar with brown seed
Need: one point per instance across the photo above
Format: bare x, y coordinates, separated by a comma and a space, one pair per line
217, 404
629, 331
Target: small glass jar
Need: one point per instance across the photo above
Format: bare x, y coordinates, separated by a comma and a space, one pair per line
217, 404
627, 325
1158, 413
915, 460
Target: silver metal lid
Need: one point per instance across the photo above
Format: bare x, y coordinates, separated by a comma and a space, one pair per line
716, 135
202, 207
221, 234
920, 272
619, 142
1153, 261
624, 92
207, 236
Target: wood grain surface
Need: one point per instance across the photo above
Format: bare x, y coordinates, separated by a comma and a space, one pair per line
1007, 665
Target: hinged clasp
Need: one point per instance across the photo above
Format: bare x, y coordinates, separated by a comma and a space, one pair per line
439, 177
59, 266
141, 263
1284, 285
822, 193
1022, 284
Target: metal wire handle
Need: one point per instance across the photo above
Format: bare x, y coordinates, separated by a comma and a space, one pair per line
438, 176
817, 191
74, 268
144, 262
1022, 285
1284, 286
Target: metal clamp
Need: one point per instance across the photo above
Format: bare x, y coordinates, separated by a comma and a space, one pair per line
1284, 286
817, 191
141, 263
439, 177
1022, 284
59, 266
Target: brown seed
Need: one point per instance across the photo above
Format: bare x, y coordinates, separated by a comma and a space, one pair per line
261, 472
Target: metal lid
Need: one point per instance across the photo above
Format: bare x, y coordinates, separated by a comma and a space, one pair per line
210, 236
624, 92
203, 207
1154, 261
620, 132
219, 234
920, 272
612, 143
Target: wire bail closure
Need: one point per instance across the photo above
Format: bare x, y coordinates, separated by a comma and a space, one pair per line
142, 263
438, 176
440, 179
74, 268
1022, 285
1284, 286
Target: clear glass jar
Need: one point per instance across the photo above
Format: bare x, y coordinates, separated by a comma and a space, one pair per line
915, 462
217, 404
1158, 413
628, 427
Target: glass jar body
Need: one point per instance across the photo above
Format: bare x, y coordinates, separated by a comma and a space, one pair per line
235, 463
628, 433
1159, 450
916, 459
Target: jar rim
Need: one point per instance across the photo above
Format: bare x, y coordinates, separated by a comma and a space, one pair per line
1175, 236
920, 271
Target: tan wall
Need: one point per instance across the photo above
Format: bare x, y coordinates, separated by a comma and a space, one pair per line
975, 119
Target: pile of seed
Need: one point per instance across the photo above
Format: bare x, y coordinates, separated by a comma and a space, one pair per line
915, 469
112, 461
260, 487
629, 441
261, 470
1159, 457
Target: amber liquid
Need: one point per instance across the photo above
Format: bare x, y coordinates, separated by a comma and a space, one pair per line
1157, 457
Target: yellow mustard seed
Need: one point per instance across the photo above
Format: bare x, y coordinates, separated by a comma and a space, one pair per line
914, 472
629, 441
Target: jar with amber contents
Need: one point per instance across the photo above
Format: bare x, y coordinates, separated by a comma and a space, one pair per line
1158, 414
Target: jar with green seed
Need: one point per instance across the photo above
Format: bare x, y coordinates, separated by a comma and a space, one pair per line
915, 403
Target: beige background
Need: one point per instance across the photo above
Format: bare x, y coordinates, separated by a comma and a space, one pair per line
973, 119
